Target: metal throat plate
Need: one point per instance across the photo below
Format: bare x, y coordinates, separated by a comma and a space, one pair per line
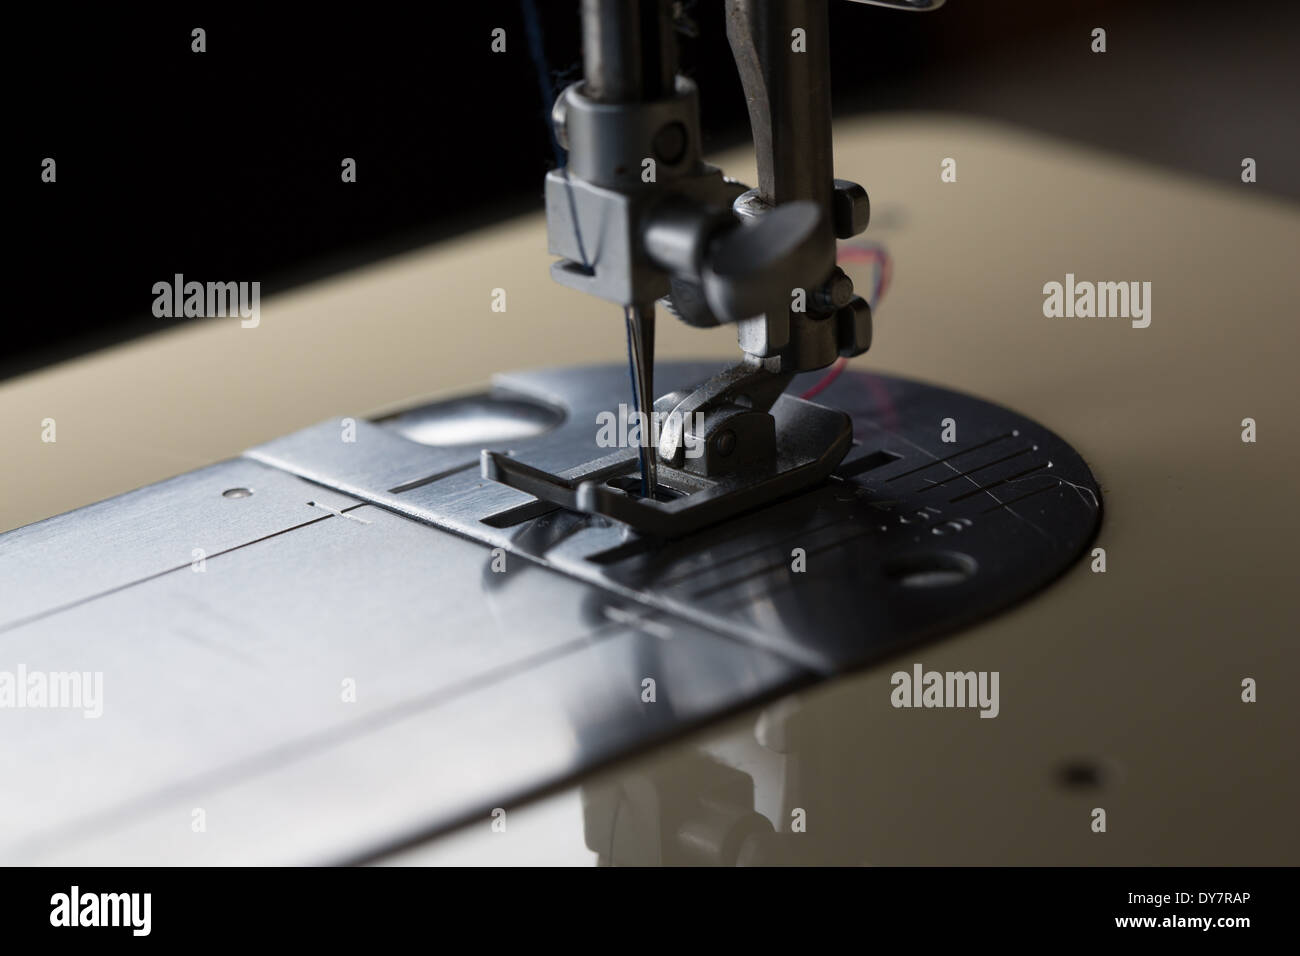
946, 509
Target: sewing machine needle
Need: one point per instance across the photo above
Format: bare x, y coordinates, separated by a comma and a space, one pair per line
641, 350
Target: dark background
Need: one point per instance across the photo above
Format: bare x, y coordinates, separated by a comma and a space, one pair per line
225, 165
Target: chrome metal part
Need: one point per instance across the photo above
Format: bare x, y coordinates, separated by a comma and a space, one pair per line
911, 534
334, 680
637, 216
811, 442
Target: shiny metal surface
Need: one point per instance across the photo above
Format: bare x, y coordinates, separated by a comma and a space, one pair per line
913, 537
474, 419
74, 557
336, 680
223, 691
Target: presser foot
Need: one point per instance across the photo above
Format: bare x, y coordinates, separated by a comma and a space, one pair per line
810, 441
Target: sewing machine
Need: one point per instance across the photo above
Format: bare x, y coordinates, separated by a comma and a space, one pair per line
469, 600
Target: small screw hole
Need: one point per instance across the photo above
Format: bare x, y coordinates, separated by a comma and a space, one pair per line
237, 493
1080, 775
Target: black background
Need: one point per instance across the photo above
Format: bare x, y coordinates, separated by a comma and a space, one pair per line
226, 165
916, 906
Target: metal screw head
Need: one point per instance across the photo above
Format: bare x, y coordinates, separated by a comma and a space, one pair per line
853, 327
850, 209
559, 113
236, 493
670, 143
725, 443
836, 293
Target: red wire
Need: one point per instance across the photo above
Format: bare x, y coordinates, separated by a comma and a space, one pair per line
878, 255
825, 381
